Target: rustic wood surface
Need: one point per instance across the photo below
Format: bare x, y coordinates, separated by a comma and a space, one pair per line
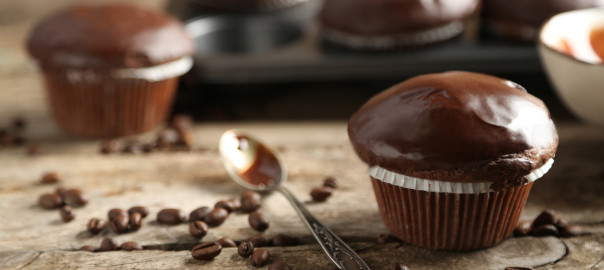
33, 238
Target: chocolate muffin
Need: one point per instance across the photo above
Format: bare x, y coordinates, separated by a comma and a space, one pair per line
520, 19
247, 5
387, 24
110, 70
453, 156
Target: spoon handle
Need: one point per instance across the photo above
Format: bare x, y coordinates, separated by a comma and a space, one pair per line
339, 253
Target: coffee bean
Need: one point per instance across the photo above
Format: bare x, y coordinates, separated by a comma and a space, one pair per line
96, 225
167, 138
330, 182
135, 221
547, 217
171, 216
132, 147
206, 251
571, 231
397, 266
561, 223
115, 212
186, 138
75, 197
198, 228
259, 241
250, 201
522, 229
226, 242
544, 230
321, 194
88, 248
226, 205
385, 238
279, 266
260, 257
66, 213
108, 245
119, 223
245, 249
199, 213
50, 178
18, 123
518, 268
182, 122
131, 246
257, 221
50, 201
34, 150
149, 147
110, 147
283, 240
61, 192
216, 217
144, 211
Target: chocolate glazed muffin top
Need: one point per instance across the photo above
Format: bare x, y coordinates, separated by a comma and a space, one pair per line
532, 12
457, 127
384, 17
108, 36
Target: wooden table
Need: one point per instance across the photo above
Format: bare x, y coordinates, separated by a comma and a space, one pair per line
33, 238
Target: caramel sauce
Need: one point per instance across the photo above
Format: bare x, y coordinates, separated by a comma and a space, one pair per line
265, 169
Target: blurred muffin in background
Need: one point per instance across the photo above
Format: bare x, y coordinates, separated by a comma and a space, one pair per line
388, 24
247, 5
110, 70
521, 19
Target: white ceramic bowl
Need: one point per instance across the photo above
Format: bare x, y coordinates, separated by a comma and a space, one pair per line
578, 79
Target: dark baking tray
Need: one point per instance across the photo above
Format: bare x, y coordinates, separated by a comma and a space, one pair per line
286, 46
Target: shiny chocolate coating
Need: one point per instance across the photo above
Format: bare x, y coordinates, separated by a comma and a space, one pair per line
384, 17
108, 36
455, 126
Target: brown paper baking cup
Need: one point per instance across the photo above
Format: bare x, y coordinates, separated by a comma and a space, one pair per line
450, 221
105, 106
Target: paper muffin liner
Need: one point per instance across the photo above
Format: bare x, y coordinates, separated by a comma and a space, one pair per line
240, 5
385, 42
112, 103
433, 215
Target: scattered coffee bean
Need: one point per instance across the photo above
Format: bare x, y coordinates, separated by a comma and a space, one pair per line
199, 213
88, 248
206, 251
135, 221
108, 245
216, 217
260, 257
522, 229
115, 212
571, 231
518, 268
235, 203
259, 241
119, 223
250, 201
61, 191
385, 238
18, 123
561, 223
245, 249
132, 147
198, 228
139, 209
330, 182
171, 216
50, 201
50, 178
131, 246
279, 266
547, 217
167, 138
397, 266
75, 197
96, 225
226, 205
149, 147
257, 221
544, 230
186, 138
34, 150
226, 242
67, 213
283, 240
321, 194
110, 147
